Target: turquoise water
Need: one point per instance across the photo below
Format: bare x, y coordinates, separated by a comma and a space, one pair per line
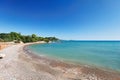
105, 54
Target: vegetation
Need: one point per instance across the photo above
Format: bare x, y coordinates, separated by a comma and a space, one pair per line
17, 37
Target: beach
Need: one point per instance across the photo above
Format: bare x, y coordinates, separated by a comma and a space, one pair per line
22, 64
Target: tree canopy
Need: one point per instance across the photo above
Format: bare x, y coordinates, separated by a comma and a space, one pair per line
14, 36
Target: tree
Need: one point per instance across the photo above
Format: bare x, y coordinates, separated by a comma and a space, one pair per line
1, 40
17, 37
46, 40
34, 36
53, 39
40, 38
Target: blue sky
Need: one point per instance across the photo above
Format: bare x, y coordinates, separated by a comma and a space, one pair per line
65, 19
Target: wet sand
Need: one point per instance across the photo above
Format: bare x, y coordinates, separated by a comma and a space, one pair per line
22, 64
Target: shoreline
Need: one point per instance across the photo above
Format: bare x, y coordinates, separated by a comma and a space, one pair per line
32, 53
20, 64
66, 61
64, 64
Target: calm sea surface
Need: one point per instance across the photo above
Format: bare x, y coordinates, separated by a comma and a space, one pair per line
104, 54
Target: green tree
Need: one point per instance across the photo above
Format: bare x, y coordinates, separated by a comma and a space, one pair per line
46, 40
1, 40
14, 36
34, 38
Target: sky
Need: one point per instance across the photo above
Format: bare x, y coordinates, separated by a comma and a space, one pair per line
65, 19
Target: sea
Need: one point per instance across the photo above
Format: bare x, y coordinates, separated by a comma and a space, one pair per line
101, 54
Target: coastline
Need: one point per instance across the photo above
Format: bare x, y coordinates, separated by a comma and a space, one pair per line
22, 64
74, 71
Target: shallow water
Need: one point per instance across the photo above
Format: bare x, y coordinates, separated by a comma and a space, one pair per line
105, 54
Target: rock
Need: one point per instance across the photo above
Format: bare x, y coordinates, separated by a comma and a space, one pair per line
2, 56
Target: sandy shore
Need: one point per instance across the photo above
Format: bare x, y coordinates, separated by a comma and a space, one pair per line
3, 45
21, 64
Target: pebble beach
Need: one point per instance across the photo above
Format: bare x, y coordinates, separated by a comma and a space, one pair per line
22, 64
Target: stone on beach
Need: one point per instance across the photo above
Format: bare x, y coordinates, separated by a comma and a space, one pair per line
2, 56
